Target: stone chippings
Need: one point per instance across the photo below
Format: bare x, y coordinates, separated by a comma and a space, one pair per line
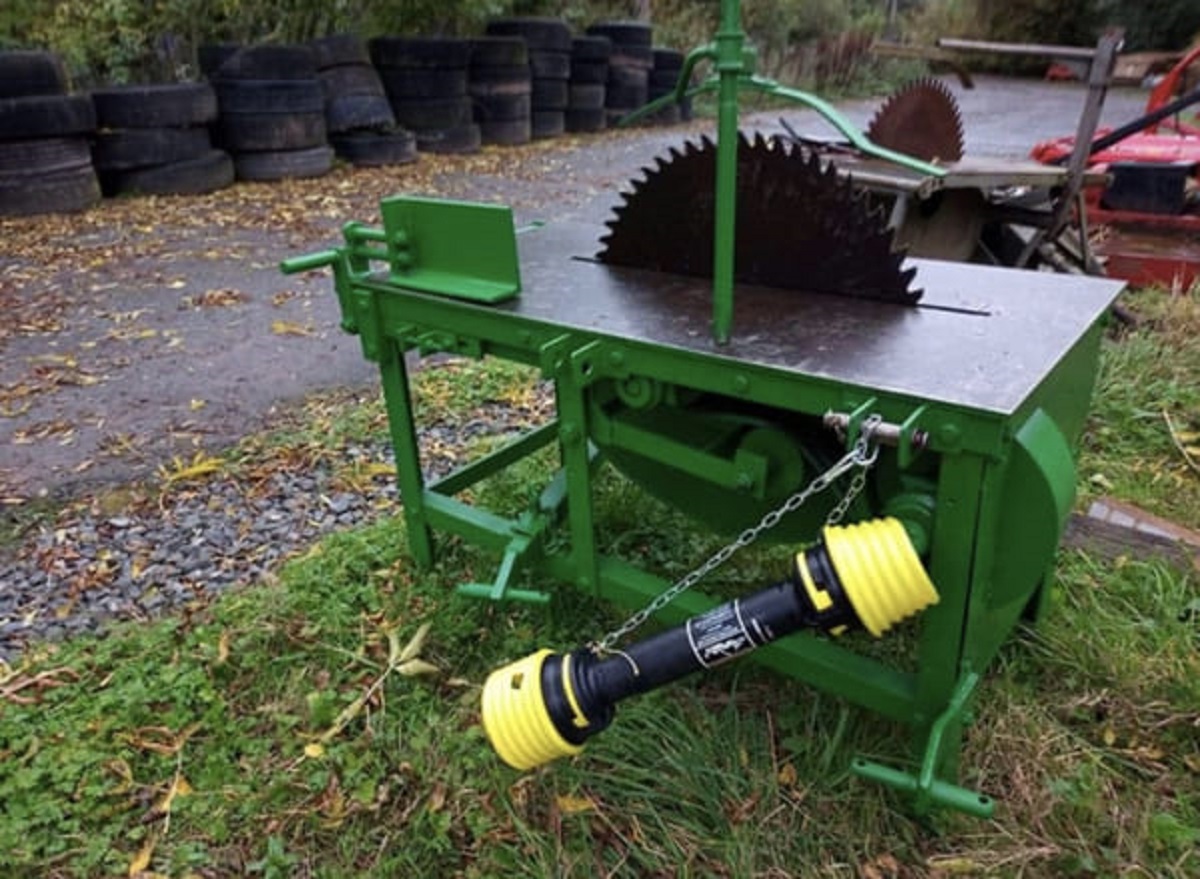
88, 569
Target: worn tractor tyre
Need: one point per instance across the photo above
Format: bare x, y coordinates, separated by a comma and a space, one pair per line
436, 52
337, 50
434, 114
586, 121
624, 33
268, 62
550, 65
27, 73
668, 59
595, 72
625, 97
591, 48
351, 112
498, 79
461, 139
550, 94
485, 90
212, 171
502, 108
125, 149
547, 123
270, 96
25, 195
548, 34
257, 132
628, 77
506, 132
498, 51
281, 164
586, 96
155, 106
52, 155
419, 84
632, 56
351, 79
46, 116
663, 80
210, 57
374, 150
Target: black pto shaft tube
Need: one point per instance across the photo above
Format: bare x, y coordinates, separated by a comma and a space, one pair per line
546, 705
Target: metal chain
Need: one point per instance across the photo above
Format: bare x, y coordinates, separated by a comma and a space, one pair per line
859, 458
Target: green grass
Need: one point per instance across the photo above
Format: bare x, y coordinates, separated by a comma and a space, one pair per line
235, 740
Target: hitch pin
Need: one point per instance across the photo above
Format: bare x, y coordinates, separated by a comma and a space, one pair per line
886, 433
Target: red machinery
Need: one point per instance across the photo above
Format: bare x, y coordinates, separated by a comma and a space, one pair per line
1146, 218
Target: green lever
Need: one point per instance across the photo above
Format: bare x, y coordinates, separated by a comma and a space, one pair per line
309, 261
942, 793
499, 590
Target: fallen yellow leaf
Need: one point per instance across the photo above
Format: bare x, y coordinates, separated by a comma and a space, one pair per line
288, 328
572, 805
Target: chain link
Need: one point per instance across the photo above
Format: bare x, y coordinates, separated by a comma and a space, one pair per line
860, 458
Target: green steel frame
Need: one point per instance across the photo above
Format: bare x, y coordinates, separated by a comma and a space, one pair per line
995, 480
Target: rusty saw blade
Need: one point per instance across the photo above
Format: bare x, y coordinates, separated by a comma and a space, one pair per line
922, 120
799, 224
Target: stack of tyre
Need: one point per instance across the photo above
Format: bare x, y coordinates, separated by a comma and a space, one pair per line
588, 90
668, 64
500, 87
549, 42
629, 65
362, 128
425, 79
154, 140
272, 113
45, 160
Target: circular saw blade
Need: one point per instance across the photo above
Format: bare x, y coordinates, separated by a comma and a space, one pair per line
922, 120
799, 224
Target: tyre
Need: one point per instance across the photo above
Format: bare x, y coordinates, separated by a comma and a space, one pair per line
502, 108
498, 51
585, 121
270, 96
625, 97
624, 33
337, 50
506, 132
434, 114
482, 78
373, 150
549, 94
350, 79
547, 123
213, 170
52, 155
256, 132
483, 91
550, 65
595, 72
155, 106
586, 96
628, 77
668, 59
211, 56
47, 116
125, 149
73, 190
268, 62
591, 48
406, 83
420, 52
281, 164
350, 112
632, 56
551, 34
663, 80
459, 140
28, 73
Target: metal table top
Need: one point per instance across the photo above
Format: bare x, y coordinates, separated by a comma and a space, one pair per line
981, 337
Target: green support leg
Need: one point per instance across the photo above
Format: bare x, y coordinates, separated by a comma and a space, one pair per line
402, 426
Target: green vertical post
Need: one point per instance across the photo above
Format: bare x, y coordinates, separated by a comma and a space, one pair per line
402, 425
729, 42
